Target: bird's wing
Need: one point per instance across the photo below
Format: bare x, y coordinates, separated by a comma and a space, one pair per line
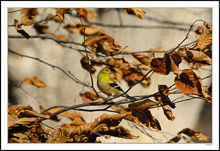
113, 84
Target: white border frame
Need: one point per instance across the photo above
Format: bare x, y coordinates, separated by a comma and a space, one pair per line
109, 4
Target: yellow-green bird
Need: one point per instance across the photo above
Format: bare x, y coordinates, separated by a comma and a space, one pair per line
108, 86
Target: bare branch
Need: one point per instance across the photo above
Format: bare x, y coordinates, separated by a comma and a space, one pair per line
53, 66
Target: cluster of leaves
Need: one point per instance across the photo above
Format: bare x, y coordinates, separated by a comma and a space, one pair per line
194, 134
24, 126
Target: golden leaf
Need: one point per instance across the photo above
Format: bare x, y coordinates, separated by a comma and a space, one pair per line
90, 97
165, 65
86, 65
195, 134
85, 13
145, 59
139, 12
34, 81
190, 83
194, 56
20, 30
61, 11
142, 105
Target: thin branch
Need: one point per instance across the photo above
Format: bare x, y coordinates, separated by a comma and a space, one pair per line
156, 51
185, 37
17, 10
87, 56
53, 66
46, 36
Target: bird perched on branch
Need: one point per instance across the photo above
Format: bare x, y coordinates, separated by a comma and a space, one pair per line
108, 86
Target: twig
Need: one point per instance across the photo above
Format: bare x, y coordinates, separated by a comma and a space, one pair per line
16, 10
185, 37
156, 51
87, 56
53, 66
46, 36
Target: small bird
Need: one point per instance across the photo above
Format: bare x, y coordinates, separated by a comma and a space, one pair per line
108, 86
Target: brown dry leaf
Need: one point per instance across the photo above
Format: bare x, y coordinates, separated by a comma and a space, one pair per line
199, 31
142, 105
38, 83
54, 18
90, 97
145, 117
204, 39
198, 58
12, 122
103, 44
195, 134
19, 138
89, 30
86, 65
20, 30
51, 111
144, 59
28, 18
164, 93
190, 83
77, 28
175, 139
15, 111
41, 28
104, 125
60, 135
29, 11
23, 120
60, 37
61, 11
124, 70
85, 13
130, 117
35, 81
165, 65
168, 113
77, 119
139, 12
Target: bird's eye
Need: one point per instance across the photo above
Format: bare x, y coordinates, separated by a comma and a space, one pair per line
106, 70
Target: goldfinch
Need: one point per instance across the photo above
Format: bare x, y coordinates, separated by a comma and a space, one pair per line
108, 86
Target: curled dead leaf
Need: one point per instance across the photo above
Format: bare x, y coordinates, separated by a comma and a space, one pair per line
193, 56
204, 39
20, 30
54, 18
195, 134
29, 15
144, 59
90, 97
85, 13
103, 44
61, 11
36, 82
165, 65
142, 105
175, 139
164, 99
168, 112
190, 83
86, 65
139, 12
